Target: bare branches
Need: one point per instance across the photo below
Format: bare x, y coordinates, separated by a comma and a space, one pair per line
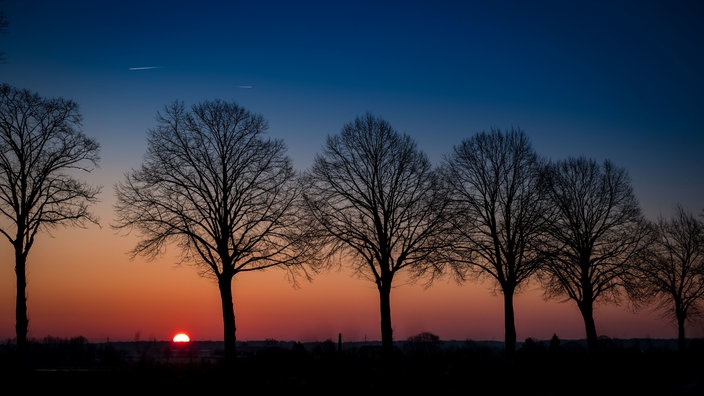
599, 225
373, 197
41, 151
213, 184
498, 213
41, 147
498, 209
672, 270
595, 235
225, 195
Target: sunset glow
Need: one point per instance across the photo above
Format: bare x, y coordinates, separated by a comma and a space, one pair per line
182, 337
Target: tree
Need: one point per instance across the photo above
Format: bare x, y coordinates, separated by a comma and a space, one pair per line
373, 198
594, 237
424, 343
41, 150
492, 181
225, 195
673, 270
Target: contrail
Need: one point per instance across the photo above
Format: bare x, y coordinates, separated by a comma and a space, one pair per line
246, 86
144, 68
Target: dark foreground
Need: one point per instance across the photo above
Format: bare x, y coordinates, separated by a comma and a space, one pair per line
436, 369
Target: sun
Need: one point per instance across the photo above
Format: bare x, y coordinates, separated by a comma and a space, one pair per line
182, 337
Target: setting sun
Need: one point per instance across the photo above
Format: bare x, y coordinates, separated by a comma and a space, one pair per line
182, 337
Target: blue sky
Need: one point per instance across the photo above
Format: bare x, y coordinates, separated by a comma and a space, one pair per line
618, 80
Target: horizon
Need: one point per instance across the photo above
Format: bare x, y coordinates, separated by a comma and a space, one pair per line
270, 341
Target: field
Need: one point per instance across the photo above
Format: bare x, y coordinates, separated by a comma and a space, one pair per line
624, 367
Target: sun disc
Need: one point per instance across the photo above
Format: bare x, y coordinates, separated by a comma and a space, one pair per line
182, 337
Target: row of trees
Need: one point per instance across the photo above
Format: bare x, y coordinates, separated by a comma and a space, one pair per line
214, 185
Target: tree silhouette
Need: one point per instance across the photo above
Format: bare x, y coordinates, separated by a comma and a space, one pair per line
374, 200
226, 196
498, 213
41, 150
673, 270
595, 236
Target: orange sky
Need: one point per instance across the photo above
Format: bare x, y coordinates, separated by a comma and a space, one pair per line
82, 283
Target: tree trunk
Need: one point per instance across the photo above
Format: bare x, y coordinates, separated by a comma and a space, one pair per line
387, 340
509, 325
681, 341
228, 318
21, 319
586, 308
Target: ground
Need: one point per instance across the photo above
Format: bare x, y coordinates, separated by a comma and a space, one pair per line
436, 368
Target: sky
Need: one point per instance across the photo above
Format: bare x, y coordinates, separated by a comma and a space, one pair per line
617, 80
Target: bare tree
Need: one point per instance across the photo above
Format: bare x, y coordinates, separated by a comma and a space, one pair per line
42, 149
225, 195
673, 270
498, 213
374, 198
595, 236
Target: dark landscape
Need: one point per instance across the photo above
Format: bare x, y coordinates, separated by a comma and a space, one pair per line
550, 367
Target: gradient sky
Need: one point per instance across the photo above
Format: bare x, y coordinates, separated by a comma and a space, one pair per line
611, 80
